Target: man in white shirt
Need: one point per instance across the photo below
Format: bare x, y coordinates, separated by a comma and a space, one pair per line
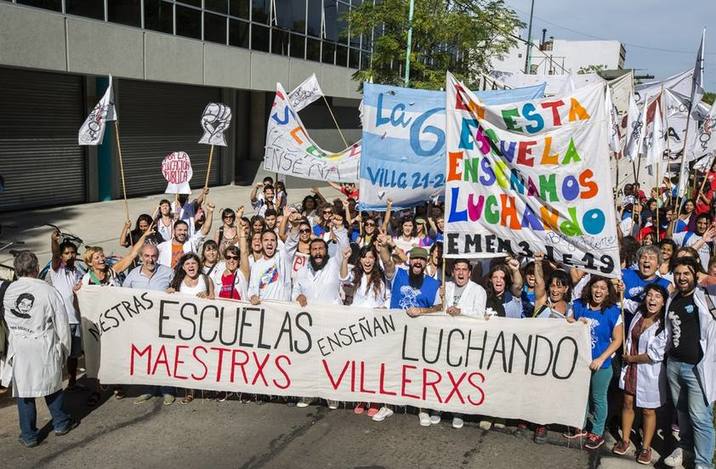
319, 281
463, 297
700, 239
186, 210
271, 275
171, 251
64, 276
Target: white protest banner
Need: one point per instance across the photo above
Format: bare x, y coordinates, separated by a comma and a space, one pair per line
290, 150
555, 83
681, 83
92, 130
613, 123
305, 93
636, 125
501, 367
531, 176
176, 169
215, 119
655, 137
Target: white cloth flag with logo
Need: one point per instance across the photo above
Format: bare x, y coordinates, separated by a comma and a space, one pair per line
613, 124
92, 130
697, 88
655, 140
305, 93
635, 129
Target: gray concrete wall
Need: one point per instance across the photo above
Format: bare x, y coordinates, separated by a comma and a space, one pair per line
41, 39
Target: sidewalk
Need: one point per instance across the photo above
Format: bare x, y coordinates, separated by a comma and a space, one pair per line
100, 223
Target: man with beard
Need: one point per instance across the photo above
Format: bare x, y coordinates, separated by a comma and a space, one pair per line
700, 239
319, 281
412, 290
171, 251
151, 276
64, 276
691, 364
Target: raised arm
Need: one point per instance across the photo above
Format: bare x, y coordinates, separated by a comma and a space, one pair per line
123, 236
284, 222
383, 242
244, 252
201, 198
125, 262
254, 190
540, 288
514, 266
386, 217
318, 194
206, 227
344, 262
55, 246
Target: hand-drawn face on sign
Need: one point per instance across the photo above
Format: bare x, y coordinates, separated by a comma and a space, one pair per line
215, 120
176, 169
23, 305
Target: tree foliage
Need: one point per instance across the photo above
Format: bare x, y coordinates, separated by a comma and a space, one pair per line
456, 35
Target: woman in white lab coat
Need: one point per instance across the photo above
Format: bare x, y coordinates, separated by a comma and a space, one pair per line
643, 374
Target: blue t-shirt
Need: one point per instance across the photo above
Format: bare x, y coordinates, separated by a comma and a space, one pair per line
318, 230
634, 284
601, 325
403, 296
528, 301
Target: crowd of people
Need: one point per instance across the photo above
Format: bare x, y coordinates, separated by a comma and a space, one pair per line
655, 349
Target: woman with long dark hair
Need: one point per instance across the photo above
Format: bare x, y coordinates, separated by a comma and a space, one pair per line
597, 308
504, 285
164, 220
228, 233
209, 256
643, 375
130, 238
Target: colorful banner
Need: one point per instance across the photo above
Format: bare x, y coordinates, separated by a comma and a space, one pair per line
529, 177
403, 157
555, 83
500, 368
290, 150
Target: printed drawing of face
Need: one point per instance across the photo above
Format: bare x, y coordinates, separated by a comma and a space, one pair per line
216, 119
23, 304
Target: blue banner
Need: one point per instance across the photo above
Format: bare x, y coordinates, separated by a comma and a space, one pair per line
403, 154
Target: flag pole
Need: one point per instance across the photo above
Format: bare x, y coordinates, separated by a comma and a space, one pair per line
334, 120
208, 169
121, 170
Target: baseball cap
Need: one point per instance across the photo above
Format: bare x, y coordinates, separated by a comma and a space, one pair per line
418, 253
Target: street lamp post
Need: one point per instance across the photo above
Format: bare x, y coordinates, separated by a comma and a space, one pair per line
410, 42
529, 39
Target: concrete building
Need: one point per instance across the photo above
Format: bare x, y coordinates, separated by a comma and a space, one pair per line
560, 56
169, 58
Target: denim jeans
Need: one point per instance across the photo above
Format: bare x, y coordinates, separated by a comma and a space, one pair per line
598, 387
158, 390
28, 415
695, 415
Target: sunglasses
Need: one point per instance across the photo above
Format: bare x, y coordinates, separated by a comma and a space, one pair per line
370, 224
229, 217
327, 212
305, 230
232, 258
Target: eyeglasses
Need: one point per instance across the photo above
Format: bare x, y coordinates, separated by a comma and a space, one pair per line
232, 258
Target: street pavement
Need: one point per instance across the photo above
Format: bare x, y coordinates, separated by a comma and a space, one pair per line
231, 434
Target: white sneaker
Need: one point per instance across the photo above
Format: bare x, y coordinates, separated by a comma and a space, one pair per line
499, 424
457, 422
424, 419
435, 418
382, 414
676, 458
485, 424
333, 405
304, 402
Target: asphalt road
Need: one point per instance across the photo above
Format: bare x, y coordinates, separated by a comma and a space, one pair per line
232, 434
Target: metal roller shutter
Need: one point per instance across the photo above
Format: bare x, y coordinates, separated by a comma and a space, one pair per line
156, 119
40, 160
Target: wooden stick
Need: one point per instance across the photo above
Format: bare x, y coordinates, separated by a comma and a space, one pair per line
657, 201
621, 300
121, 174
335, 121
208, 169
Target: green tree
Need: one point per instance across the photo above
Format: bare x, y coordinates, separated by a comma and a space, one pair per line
456, 35
709, 97
591, 69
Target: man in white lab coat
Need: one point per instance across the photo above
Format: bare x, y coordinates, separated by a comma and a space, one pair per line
38, 344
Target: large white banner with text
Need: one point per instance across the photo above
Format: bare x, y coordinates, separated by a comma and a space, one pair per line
498, 367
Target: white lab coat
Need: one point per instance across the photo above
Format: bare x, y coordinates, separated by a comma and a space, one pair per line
650, 377
39, 339
707, 325
472, 302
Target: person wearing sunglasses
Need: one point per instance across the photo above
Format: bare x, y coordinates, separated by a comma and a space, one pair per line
231, 276
324, 225
228, 233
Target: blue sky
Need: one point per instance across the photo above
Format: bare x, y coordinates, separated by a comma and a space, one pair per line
666, 32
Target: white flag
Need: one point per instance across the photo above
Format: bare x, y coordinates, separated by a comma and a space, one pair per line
697, 89
655, 141
704, 140
92, 130
635, 129
305, 93
613, 123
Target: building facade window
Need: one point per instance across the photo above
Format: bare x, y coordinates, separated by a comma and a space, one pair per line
315, 30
